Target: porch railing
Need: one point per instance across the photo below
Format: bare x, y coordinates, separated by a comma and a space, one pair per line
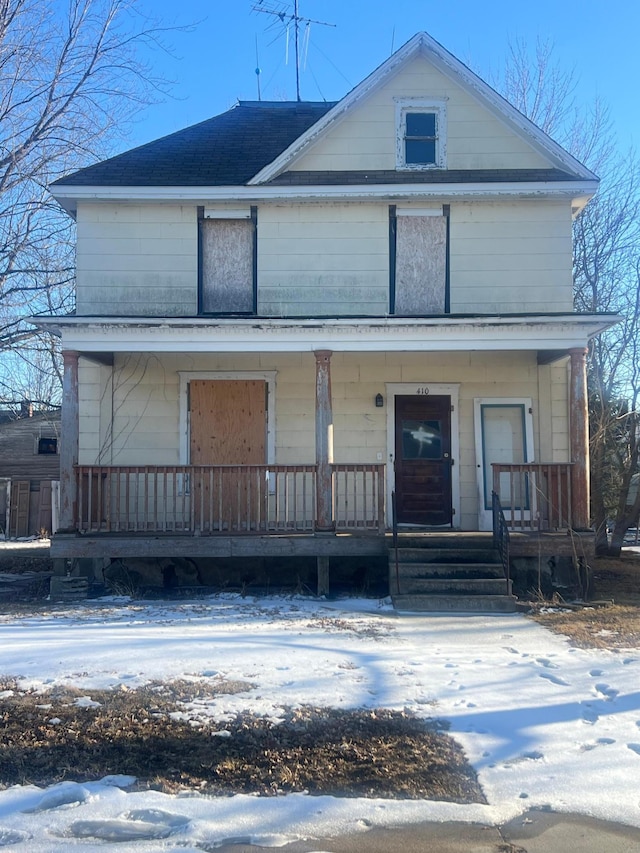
223, 499
534, 496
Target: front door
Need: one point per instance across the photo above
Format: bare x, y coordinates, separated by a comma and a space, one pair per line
423, 459
228, 426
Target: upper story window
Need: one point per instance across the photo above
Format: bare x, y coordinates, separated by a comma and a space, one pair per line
228, 261
421, 134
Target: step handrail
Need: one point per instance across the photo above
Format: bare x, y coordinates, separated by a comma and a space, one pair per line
501, 537
394, 527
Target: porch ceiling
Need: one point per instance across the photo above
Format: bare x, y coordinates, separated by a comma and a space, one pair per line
557, 332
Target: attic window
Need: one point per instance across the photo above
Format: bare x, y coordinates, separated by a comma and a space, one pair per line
421, 134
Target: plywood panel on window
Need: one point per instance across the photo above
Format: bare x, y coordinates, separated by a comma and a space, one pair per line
421, 248
227, 265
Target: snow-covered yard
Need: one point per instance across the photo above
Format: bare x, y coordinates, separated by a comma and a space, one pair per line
542, 722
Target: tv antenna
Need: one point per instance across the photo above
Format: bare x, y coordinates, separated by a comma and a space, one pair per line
287, 17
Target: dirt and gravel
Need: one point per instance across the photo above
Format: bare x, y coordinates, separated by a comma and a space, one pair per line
50, 737
611, 620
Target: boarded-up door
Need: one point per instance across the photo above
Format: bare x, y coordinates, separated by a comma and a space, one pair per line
423, 460
228, 428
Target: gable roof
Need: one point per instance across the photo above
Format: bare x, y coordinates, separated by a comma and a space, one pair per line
422, 44
226, 150
256, 142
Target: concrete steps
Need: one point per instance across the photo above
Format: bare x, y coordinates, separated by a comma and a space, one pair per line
444, 574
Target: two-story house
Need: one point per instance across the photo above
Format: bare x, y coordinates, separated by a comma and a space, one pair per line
300, 322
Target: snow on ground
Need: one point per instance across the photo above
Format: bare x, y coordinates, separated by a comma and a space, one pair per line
542, 722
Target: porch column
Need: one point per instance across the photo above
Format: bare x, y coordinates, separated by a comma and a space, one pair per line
579, 438
69, 431
324, 442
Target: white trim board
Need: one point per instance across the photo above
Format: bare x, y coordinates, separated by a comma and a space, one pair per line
579, 191
385, 334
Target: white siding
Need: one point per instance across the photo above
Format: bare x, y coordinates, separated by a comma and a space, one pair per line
366, 138
137, 259
511, 257
320, 259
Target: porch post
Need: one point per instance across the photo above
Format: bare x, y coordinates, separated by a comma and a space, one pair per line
69, 430
579, 438
324, 442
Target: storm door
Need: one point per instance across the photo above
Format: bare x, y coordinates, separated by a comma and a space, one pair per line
504, 433
228, 427
423, 460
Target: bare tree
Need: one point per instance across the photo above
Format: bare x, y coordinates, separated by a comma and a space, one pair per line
71, 77
606, 274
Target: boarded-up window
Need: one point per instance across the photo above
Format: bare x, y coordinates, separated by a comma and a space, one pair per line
421, 259
227, 249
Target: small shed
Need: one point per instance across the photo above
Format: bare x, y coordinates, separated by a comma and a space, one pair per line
29, 472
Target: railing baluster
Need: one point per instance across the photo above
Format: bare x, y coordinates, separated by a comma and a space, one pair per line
539, 494
224, 498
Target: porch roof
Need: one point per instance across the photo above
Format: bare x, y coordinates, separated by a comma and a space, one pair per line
547, 333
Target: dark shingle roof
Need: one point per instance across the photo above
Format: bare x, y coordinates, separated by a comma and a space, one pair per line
226, 150
417, 176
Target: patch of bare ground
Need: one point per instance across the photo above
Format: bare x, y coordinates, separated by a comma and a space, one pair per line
611, 620
48, 737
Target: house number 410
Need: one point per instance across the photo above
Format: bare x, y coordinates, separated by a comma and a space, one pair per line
422, 390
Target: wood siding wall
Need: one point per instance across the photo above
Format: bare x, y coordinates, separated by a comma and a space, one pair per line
146, 405
366, 138
323, 259
137, 259
511, 257
319, 259
19, 457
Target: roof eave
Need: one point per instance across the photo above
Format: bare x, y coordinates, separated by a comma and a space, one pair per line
578, 192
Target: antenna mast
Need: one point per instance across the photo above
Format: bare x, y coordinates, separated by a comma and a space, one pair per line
286, 17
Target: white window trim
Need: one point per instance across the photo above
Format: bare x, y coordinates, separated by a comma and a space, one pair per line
422, 389
227, 213
417, 105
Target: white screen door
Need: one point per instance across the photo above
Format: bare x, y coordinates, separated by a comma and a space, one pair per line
504, 433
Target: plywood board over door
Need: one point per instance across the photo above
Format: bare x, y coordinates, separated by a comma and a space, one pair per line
228, 427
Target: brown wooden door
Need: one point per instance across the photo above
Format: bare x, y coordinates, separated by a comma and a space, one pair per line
423, 460
228, 426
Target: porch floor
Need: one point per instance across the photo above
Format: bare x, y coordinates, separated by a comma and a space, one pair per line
357, 543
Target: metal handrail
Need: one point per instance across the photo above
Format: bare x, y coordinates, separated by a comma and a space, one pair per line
394, 523
501, 537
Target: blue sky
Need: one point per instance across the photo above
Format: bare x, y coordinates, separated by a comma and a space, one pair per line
214, 64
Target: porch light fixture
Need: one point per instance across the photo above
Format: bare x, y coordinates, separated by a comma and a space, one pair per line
379, 401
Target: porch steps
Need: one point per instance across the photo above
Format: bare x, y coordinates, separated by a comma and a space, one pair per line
442, 574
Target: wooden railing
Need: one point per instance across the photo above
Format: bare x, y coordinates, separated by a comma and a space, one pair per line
223, 499
358, 497
534, 496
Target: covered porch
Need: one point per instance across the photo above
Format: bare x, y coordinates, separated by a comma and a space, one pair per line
327, 506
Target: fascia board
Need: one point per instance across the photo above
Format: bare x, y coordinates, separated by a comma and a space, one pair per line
68, 197
452, 67
457, 71
204, 335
